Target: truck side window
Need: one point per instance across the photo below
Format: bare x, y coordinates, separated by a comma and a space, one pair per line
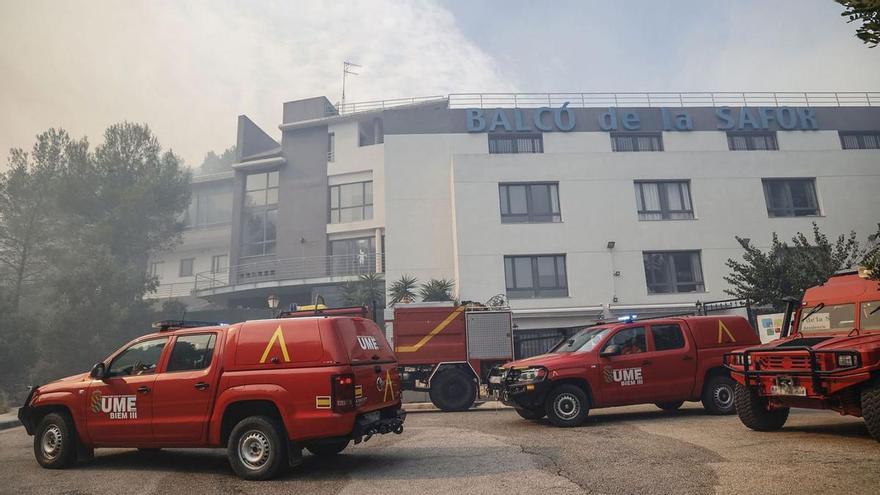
870, 315
138, 359
191, 352
667, 337
630, 340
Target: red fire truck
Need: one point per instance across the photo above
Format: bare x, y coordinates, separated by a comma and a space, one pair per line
448, 350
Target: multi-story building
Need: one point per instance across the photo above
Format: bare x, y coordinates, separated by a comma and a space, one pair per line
574, 206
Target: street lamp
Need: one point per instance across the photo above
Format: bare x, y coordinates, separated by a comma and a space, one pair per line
273, 302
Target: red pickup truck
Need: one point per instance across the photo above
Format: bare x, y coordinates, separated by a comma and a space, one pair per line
662, 361
263, 389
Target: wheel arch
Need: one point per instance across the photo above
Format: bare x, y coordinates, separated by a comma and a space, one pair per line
458, 365
581, 383
234, 404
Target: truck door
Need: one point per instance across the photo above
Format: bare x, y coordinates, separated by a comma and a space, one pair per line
673, 363
184, 391
626, 377
119, 408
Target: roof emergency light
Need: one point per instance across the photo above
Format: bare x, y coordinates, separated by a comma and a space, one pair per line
627, 318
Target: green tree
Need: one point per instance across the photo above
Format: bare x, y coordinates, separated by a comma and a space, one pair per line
868, 12
871, 261
403, 289
368, 288
789, 269
214, 163
437, 290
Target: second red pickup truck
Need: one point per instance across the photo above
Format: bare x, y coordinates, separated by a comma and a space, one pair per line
661, 361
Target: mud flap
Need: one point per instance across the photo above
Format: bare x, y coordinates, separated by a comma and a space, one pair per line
294, 454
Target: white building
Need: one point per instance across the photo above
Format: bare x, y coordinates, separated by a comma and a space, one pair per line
574, 205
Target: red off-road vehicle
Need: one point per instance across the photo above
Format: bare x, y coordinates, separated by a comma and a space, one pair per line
830, 358
263, 389
664, 361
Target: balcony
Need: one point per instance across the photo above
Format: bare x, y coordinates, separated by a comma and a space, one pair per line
288, 272
171, 291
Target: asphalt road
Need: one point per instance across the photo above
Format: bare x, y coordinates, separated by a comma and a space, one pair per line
638, 450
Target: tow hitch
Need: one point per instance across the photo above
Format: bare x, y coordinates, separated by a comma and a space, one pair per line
365, 429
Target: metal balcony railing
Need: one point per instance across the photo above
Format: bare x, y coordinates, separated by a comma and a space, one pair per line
633, 99
291, 269
168, 291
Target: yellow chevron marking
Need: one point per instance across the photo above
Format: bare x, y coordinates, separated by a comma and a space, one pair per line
389, 387
439, 328
722, 328
279, 337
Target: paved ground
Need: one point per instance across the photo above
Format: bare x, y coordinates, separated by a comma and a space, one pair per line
637, 450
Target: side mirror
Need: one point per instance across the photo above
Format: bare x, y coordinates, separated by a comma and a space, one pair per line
98, 371
610, 350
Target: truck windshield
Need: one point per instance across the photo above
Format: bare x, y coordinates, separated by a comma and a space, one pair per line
584, 341
830, 318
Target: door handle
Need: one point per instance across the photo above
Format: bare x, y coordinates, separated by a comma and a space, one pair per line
201, 386
143, 389
646, 362
687, 357
377, 369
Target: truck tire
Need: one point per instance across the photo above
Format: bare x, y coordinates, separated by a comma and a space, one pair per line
670, 406
752, 410
718, 395
530, 413
871, 408
55, 441
453, 390
328, 449
256, 449
567, 406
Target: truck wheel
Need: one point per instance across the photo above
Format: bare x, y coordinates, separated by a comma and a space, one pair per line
567, 405
871, 408
530, 413
669, 406
753, 412
255, 449
55, 441
453, 390
328, 449
718, 395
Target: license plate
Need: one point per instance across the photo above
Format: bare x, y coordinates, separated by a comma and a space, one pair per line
495, 379
786, 386
371, 417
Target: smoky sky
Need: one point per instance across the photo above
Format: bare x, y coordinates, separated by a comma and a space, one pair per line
189, 68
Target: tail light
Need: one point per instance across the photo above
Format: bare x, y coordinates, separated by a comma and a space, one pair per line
343, 392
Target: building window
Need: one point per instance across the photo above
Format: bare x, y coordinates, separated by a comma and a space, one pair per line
632, 141
351, 202
371, 132
664, 200
791, 197
535, 276
869, 140
260, 214
516, 143
186, 267
155, 268
673, 271
529, 203
219, 263
209, 207
752, 141
331, 147
352, 256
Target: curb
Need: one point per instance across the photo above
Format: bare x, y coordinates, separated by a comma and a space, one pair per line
427, 407
6, 424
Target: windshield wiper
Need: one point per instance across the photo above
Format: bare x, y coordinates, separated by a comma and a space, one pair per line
874, 310
813, 311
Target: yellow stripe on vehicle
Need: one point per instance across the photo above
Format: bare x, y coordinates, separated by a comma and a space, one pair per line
322, 402
358, 391
439, 328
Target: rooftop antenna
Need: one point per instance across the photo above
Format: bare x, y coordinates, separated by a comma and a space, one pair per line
346, 70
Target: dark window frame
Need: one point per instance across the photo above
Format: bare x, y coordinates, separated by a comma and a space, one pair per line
536, 291
192, 267
212, 345
338, 208
536, 140
860, 137
214, 264
634, 136
531, 216
751, 138
266, 245
671, 270
681, 339
665, 212
789, 210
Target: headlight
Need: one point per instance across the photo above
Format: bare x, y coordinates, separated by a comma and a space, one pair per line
531, 375
736, 359
846, 360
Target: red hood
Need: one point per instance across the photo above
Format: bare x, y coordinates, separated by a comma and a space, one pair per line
553, 360
63, 383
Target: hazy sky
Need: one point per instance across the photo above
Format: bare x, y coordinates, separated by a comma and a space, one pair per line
188, 68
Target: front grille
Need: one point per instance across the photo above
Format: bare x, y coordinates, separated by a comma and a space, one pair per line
793, 362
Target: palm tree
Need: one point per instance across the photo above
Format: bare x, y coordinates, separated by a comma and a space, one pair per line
403, 289
367, 288
437, 290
